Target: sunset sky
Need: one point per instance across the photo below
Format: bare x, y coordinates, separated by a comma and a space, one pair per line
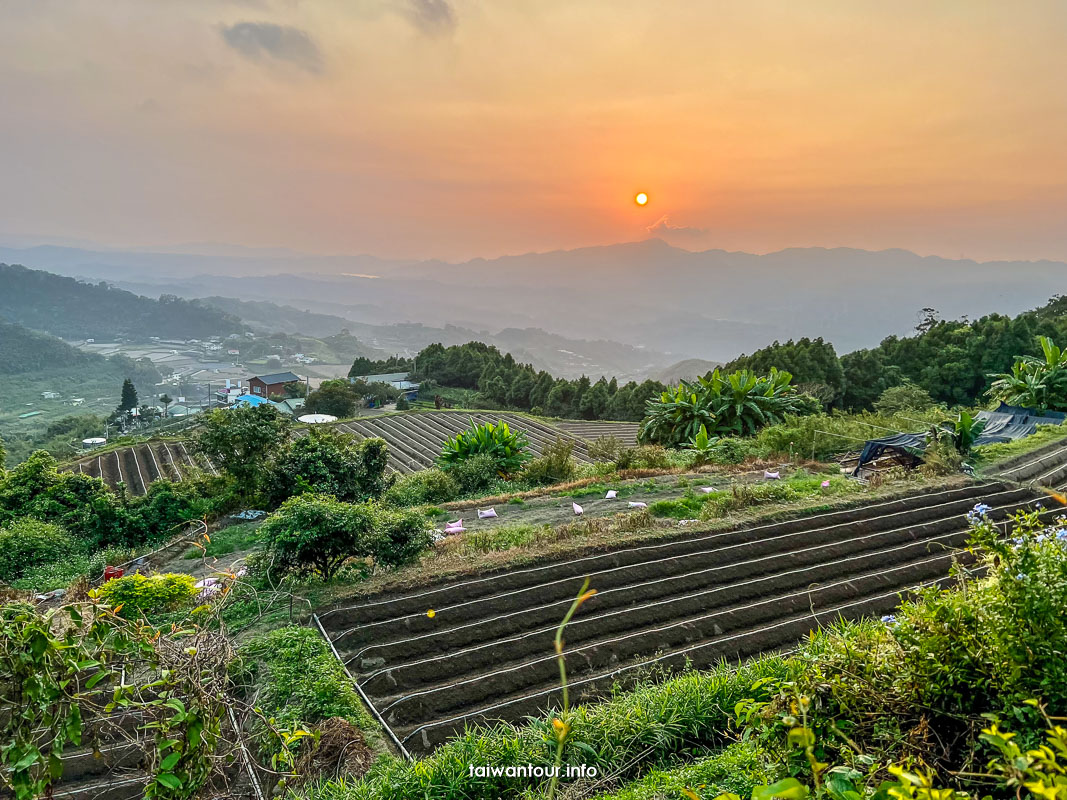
460, 128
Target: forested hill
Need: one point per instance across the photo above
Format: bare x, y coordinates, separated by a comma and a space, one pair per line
23, 350
72, 309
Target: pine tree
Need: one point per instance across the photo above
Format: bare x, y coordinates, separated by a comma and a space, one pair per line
129, 396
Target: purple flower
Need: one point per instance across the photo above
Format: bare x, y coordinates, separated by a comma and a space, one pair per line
889, 619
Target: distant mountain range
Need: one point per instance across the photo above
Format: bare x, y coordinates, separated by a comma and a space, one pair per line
72, 309
653, 297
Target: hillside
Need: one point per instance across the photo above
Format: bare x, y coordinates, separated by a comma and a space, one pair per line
73, 309
562, 356
23, 350
713, 304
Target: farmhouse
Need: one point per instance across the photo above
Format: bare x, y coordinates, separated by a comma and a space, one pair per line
266, 385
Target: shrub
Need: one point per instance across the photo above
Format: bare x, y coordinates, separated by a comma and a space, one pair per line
84, 506
402, 404
328, 462
424, 486
318, 533
507, 448
554, 464
167, 507
647, 456
404, 537
148, 595
941, 458
605, 448
474, 475
905, 397
733, 450
28, 544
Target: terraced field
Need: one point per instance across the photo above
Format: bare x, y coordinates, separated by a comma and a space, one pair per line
625, 432
487, 653
414, 439
137, 466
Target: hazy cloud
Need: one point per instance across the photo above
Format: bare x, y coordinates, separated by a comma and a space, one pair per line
264, 41
432, 17
664, 227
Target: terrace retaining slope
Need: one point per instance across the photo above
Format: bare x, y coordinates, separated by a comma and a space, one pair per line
487, 653
415, 440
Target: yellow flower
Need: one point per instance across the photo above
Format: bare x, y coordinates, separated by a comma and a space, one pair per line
561, 728
431, 613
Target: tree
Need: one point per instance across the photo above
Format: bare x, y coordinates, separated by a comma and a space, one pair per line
319, 533
3, 457
337, 397
594, 403
243, 442
905, 397
166, 400
328, 462
129, 397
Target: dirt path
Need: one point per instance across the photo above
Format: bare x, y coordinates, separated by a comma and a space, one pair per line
558, 509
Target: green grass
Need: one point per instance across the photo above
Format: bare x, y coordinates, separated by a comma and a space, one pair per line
989, 454
505, 537
798, 487
627, 734
738, 769
226, 541
299, 681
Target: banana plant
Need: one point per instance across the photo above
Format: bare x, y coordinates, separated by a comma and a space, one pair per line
739, 403
702, 445
963, 431
509, 449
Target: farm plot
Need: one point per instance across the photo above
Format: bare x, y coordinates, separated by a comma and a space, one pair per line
486, 652
415, 442
138, 465
415, 439
625, 432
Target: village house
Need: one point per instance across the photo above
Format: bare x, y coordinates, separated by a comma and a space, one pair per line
267, 385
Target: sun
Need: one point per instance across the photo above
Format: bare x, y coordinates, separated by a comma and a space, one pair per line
641, 198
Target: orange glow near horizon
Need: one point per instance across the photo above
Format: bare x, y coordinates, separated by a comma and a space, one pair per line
935, 127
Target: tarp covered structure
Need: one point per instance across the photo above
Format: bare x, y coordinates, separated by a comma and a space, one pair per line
1008, 423
910, 446
1004, 424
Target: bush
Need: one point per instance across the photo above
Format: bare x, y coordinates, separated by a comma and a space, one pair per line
424, 486
402, 404
474, 475
148, 595
507, 448
554, 464
733, 450
905, 397
318, 533
404, 537
646, 456
328, 462
28, 544
82, 505
605, 448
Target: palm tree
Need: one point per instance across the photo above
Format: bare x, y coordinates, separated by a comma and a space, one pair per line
166, 400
